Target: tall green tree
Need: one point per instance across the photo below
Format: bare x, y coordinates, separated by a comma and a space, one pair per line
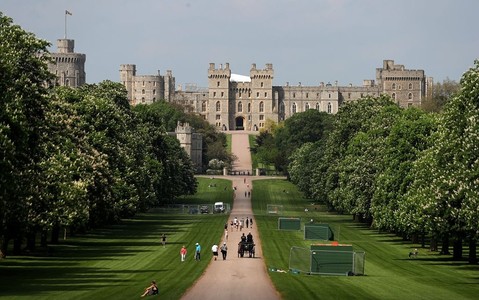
23, 98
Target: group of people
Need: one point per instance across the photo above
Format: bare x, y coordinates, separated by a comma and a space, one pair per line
240, 224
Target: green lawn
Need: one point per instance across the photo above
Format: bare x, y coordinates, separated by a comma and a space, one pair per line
390, 274
119, 261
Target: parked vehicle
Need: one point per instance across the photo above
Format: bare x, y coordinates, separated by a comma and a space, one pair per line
219, 207
204, 209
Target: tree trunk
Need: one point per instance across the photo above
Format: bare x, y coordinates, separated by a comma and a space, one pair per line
55, 234
43, 239
3, 247
423, 240
445, 246
415, 238
17, 246
472, 251
31, 239
433, 246
457, 249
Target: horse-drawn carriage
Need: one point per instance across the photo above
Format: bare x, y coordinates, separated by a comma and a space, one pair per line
243, 247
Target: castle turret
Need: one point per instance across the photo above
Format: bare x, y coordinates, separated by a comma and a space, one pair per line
127, 73
219, 95
68, 66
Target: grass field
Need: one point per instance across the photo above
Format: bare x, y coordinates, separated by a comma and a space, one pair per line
119, 261
390, 274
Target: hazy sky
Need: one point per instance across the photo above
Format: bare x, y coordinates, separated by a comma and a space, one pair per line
307, 41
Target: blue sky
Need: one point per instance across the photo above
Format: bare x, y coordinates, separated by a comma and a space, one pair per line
307, 41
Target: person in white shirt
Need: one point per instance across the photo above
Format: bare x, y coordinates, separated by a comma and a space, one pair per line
214, 249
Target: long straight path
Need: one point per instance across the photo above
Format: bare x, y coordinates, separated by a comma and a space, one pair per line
236, 277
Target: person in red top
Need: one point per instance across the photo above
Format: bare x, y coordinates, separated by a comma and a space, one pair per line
183, 252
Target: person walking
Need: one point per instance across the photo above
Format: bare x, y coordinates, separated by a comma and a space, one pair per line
251, 222
183, 252
163, 240
198, 252
226, 234
214, 249
224, 250
247, 222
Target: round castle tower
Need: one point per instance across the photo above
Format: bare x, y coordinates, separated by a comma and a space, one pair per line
68, 66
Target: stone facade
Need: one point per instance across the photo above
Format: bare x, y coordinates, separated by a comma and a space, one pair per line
68, 66
235, 102
192, 143
146, 89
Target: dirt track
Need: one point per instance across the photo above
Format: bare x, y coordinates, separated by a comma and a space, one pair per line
236, 277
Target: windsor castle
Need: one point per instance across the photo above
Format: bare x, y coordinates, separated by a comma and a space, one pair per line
239, 102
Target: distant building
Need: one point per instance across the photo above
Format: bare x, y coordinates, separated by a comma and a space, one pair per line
192, 143
238, 102
68, 66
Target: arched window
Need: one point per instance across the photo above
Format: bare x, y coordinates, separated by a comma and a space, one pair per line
294, 108
249, 107
218, 106
329, 107
240, 106
393, 96
409, 96
143, 92
410, 86
393, 86
261, 106
203, 106
317, 106
306, 106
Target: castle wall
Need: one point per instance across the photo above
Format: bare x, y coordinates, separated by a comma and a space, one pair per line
68, 66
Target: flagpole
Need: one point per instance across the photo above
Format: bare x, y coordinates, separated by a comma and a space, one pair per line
65, 24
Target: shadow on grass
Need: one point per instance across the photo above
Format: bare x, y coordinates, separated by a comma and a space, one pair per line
90, 261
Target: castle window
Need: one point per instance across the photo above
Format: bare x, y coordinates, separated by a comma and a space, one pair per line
143, 92
317, 106
257, 95
409, 96
142, 99
317, 95
261, 117
143, 83
399, 87
203, 106
294, 108
307, 95
222, 94
294, 95
239, 94
409, 105
154, 83
410, 86
240, 107
249, 107
218, 84
262, 84
266, 95
329, 107
261, 106
281, 108
154, 92
393, 96
349, 95
218, 106
307, 106
218, 117
214, 94
329, 95
393, 86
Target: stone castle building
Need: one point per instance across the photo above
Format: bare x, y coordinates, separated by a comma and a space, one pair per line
238, 102
146, 89
192, 143
68, 66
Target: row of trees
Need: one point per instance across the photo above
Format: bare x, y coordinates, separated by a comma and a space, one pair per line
407, 171
77, 158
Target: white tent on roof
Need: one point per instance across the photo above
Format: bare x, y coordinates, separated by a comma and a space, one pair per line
239, 78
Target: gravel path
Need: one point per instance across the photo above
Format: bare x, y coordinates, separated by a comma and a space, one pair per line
236, 277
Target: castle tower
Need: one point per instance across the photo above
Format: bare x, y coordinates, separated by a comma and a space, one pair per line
192, 143
218, 106
127, 74
68, 66
262, 105
169, 84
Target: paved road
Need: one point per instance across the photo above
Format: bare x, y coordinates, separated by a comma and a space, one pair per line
236, 278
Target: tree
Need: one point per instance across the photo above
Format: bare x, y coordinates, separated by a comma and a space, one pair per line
441, 94
23, 98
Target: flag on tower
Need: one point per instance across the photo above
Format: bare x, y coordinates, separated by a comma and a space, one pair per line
68, 13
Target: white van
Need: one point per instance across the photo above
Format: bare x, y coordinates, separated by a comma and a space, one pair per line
219, 207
